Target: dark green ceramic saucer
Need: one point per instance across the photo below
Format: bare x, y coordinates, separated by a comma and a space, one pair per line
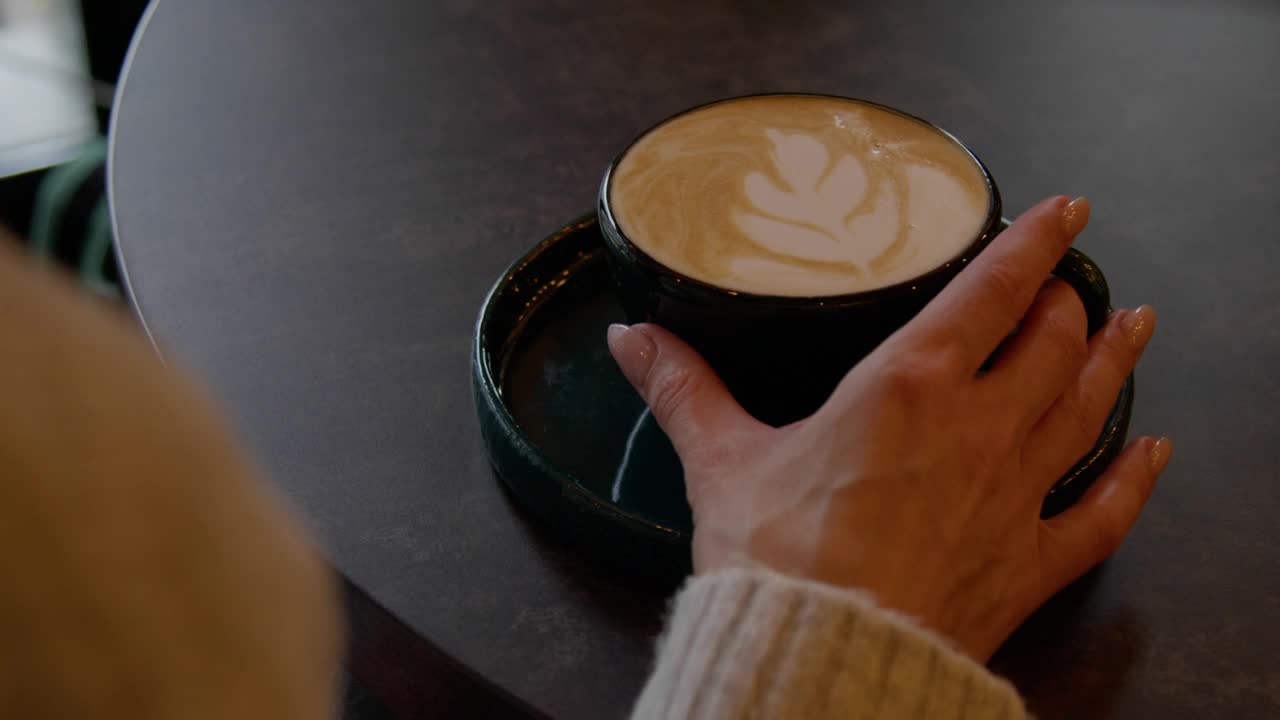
573, 441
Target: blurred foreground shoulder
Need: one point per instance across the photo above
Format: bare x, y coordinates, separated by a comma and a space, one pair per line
150, 571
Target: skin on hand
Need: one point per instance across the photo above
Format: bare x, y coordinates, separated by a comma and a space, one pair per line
921, 480
148, 571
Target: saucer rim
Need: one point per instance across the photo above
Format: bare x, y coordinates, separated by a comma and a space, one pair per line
554, 494
512, 453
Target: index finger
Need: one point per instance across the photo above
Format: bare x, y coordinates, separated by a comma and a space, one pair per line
982, 305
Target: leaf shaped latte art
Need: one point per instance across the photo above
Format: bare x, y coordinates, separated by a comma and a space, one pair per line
814, 219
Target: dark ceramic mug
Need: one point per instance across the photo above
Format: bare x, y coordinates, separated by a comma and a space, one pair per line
782, 356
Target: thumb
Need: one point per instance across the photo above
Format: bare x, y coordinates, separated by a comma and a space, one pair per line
688, 400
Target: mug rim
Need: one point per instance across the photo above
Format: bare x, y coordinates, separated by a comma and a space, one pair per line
615, 238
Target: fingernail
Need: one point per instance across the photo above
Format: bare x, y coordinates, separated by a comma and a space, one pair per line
1160, 452
1075, 215
1138, 326
633, 350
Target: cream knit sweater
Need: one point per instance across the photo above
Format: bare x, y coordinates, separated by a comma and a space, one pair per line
757, 644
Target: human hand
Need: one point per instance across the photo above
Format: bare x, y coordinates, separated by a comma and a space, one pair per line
149, 573
921, 480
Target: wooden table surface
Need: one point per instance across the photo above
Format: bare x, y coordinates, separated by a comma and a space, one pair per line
312, 197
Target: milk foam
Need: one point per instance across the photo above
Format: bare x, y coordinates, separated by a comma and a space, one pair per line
799, 196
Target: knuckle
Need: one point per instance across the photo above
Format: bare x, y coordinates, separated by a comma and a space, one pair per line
1004, 280
715, 454
1069, 307
1116, 351
1068, 337
910, 375
1107, 538
948, 356
1057, 291
668, 389
1079, 409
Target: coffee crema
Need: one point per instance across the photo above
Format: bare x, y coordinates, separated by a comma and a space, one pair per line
800, 196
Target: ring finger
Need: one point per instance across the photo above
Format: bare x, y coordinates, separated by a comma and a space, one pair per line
1073, 422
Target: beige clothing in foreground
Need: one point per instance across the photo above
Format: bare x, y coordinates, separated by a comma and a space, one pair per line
757, 644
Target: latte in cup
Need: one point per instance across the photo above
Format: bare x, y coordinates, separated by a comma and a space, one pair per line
799, 196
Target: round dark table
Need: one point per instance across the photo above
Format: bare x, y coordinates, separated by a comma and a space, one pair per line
312, 197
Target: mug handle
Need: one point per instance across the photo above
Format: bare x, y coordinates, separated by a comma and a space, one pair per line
1085, 277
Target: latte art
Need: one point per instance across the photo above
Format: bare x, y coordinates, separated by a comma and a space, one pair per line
799, 196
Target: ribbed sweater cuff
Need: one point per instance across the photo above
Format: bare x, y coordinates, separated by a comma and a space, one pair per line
757, 644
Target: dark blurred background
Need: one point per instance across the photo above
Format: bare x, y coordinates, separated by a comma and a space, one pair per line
60, 61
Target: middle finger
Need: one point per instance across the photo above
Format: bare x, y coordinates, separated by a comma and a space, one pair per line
1072, 424
1045, 355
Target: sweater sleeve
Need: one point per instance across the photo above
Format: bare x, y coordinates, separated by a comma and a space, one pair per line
756, 644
